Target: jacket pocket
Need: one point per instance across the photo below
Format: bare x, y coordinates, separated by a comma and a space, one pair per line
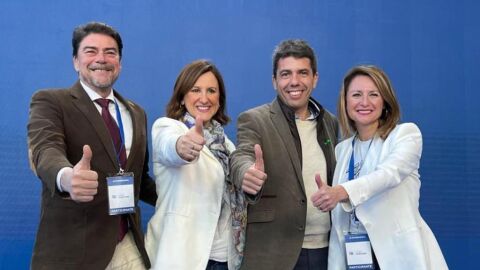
263, 211
261, 216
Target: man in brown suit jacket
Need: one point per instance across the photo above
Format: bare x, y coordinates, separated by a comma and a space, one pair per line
289, 140
72, 153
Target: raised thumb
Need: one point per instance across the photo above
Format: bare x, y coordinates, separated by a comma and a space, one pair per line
199, 125
84, 162
319, 181
259, 165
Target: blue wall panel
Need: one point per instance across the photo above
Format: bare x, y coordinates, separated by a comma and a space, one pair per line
430, 49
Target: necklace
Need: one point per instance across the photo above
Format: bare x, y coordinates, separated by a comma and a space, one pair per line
355, 168
363, 156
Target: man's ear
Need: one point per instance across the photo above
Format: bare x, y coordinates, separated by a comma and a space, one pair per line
75, 64
274, 82
315, 80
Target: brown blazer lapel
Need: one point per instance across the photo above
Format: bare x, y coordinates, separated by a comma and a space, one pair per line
281, 125
83, 102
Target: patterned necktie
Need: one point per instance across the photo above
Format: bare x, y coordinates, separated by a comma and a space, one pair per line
119, 150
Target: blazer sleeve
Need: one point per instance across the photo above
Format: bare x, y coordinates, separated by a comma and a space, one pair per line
165, 133
401, 160
244, 156
46, 138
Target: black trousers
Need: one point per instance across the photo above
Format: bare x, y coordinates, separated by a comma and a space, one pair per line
312, 259
317, 259
375, 262
214, 265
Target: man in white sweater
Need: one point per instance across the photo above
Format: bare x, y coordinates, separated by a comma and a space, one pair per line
289, 141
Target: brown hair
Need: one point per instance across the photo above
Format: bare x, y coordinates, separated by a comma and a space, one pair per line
186, 80
391, 111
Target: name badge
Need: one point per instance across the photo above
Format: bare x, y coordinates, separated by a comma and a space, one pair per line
120, 194
359, 251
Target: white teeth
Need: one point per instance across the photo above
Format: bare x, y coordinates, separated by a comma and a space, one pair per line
203, 108
295, 93
364, 111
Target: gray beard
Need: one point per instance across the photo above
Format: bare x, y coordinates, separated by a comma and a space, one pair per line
101, 88
104, 86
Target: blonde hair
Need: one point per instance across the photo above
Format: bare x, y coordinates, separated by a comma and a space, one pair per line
391, 111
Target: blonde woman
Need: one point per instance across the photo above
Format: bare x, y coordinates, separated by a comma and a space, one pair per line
376, 187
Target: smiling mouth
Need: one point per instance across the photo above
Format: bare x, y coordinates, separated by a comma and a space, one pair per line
295, 93
203, 108
101, 68
364, 112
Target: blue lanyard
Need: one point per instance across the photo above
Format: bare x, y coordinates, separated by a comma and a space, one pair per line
351, 166
351, 174
120, 127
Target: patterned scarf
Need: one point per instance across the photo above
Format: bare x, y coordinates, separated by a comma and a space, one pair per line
233, 196
215, 140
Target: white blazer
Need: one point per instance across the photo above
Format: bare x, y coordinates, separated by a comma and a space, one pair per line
181, 231
386, 202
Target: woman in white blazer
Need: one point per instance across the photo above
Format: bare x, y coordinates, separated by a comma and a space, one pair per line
376, 185
199, 217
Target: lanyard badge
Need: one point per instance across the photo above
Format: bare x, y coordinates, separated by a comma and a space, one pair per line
359, 251
120, 194
357, 246
357, 243
121, 198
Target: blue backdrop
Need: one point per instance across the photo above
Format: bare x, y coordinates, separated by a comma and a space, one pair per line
429, 48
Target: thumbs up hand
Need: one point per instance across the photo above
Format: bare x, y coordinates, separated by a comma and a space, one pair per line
327, 197
81, 182
191, 144
255, 176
